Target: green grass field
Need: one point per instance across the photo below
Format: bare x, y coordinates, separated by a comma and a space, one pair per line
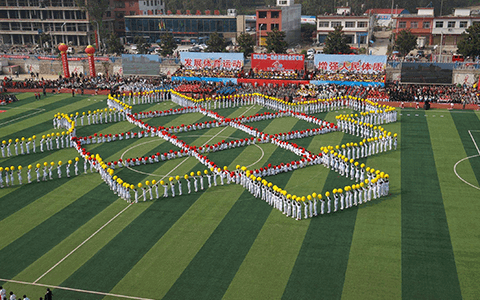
420, 242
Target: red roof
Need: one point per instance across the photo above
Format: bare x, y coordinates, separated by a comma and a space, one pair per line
384, 11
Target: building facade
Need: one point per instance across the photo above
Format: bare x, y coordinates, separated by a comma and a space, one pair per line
185, 27
285, 16
447, 30
122, 8
384, 16
442, 30
357, 29
419, 24
22, 22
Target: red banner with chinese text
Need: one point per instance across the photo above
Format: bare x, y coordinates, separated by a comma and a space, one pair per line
278, 62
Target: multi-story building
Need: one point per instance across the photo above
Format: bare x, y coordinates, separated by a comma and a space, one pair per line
357, 29
185, 26
447, 30
384, 16
22, 22
286, 16
122, 8
420, 24
431, 30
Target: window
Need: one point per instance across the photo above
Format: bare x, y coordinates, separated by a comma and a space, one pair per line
194, 25
132, 3
426, 24
132, 13
262, 26
349, 24
275, 14
439, 24
282, 2
402, 24
274, 26
362, 24
336, 24
451, 24
323, 24
413, 24
262, 14
463, 24
349, 39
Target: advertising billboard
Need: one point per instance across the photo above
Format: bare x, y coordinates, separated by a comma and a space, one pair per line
350, 63
211, 60
278, 62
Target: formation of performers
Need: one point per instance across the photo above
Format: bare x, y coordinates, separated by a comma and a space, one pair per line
367, 124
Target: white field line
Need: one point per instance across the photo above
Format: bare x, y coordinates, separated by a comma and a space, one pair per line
473, 140
74, 290
19, 118
76, 248
455, 170
455, 166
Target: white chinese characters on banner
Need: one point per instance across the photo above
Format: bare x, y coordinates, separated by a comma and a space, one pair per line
351, 63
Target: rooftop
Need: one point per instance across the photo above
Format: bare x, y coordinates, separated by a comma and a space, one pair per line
180, 17
386, 11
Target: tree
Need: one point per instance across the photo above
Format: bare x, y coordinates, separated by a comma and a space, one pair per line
167, 44
307, 31
276, 42
96, 10
216, 43
113, 44
142, 44
405, 42
469, 45
336, 42
246, 42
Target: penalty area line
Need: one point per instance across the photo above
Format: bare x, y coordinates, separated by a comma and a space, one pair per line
73, 290
76, 248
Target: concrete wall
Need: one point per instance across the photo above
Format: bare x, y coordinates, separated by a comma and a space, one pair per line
54, 67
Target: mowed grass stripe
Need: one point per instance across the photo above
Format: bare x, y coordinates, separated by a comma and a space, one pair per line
43, 121
186, 236
450, 144
269, 262
97, 262
202, 278
211, 270
28, 105
428, 262
374, 264
324, 253
267, 266
19, 254
161, 266
84, 254
465, 121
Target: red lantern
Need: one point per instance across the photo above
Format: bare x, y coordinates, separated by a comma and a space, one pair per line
91, 60
63, 51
